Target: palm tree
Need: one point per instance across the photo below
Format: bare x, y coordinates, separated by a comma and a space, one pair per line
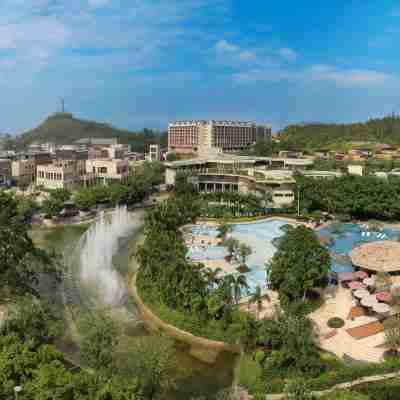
239, 284
223, 230
232, 245
257, 298
211, 275
244, 251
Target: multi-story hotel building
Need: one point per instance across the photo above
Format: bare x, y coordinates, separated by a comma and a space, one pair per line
201, 136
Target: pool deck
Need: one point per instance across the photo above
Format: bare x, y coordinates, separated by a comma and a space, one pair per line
342, 343
361, 338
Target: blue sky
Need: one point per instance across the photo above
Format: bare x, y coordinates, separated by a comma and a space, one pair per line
141, 63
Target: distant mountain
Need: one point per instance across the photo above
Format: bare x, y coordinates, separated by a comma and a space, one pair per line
64, 128
319, 135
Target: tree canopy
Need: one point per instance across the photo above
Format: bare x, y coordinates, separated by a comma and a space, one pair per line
299, 264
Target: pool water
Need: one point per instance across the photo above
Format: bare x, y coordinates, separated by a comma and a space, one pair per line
260, 237
349, 237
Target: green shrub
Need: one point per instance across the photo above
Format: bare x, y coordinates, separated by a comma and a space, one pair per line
336, 323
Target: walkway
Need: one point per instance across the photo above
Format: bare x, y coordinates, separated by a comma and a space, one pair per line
362, 349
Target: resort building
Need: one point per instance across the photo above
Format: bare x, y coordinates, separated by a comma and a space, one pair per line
23, 171
64, 174
199, 136
322, 174
5, 171
269, 178
154, 153
108, 170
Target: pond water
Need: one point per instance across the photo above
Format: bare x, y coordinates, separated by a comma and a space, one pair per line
194, 378
260, 236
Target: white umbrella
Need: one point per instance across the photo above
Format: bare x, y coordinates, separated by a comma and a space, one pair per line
369, 281
360, 293
381, 308
369, 301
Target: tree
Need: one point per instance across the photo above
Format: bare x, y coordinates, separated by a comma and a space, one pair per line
239, 284
383, 281
60, 194
152, 359
84, 199
257, 299
299, 264
100, 336
21, 263
32, 319
292, 339
223, 230
263, 147
244, 252
392, 334
52, 207
232, 245
298, 390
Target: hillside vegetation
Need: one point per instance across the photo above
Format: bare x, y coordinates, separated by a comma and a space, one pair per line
64, 128
335, 136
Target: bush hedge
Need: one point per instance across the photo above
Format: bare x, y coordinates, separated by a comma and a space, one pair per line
335, 323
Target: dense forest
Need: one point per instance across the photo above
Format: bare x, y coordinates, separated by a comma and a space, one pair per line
319, 135
64, 128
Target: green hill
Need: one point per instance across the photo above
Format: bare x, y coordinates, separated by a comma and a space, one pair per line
64, 128
335, 136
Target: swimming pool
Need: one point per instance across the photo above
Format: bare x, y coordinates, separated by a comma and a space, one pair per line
260, 236
350, 236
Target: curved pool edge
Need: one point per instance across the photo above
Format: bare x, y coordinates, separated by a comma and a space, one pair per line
205, 350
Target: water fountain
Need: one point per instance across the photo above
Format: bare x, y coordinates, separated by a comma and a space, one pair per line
95, 254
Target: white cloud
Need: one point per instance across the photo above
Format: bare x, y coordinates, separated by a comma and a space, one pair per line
361, 78
223, 45
247, 55
287, 54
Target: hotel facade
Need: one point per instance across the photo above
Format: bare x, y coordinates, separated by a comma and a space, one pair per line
200, 136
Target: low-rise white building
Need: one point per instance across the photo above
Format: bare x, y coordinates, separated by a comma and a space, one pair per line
107, 170
64, 174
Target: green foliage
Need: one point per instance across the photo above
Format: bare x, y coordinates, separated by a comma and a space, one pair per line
292, 340
26, 208
300, 264
32, 320
152, 359
298, 390
64, 129
21, 264
230, 205
41, 371
84, 199
392, 333
348, 395
335, 323
363, 198
318, 135
99, 338
52, 207
224, 229
178, 291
